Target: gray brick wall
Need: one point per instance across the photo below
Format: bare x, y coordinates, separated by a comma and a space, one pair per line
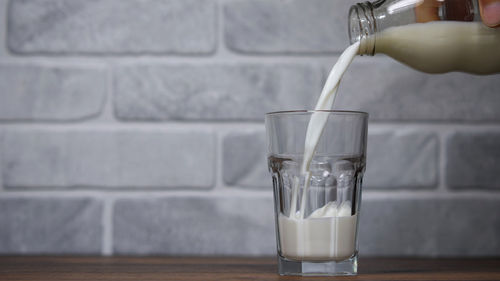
393, 92
34, 92
212, 92
108, 158
187, 225
55, 224
473, 160
112, 27
135, 127
274, 26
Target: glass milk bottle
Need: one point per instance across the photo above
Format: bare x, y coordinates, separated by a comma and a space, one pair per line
433, 36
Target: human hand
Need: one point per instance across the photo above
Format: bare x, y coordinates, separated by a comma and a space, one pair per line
428, 10
490, 12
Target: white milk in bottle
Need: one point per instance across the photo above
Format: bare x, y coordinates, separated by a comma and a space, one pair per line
429, 35
443, 46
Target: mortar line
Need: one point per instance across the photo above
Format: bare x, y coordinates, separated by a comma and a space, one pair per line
2, 189
107, 113
221, 186
4, 52
219, 180
223, 50
237, 191
116, 123
218, 57
221, 46
97, 123
443, 135
107, 223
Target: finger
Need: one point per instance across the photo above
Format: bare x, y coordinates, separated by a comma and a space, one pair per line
458, 10
490, 12
427, 10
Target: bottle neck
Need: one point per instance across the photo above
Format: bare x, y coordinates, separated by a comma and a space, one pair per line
362, 27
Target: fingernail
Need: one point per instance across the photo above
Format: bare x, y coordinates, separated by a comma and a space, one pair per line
491, 14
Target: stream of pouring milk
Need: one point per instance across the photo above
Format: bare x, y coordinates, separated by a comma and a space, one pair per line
329, 232
318, 120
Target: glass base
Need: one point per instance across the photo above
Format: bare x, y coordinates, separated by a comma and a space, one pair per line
320, 268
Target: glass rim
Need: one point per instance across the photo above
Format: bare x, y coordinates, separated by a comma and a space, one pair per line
335, 112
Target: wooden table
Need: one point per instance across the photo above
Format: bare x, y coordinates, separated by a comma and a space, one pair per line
173, 268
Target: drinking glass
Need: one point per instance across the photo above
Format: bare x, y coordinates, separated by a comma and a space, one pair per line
317, 203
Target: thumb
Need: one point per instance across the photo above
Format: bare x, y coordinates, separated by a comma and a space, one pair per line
490, 12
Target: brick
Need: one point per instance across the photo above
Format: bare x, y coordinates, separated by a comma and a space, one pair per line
391, 91
430, 227
50, 225
112, 27
192, 225
245, 160
295, 26
35, 92
3, 11
109, 158
401, 158
212, 92
473, 160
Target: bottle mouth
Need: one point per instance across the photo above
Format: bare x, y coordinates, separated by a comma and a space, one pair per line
354, 25
362, 27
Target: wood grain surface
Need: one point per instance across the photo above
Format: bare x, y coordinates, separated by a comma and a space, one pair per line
226, 268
